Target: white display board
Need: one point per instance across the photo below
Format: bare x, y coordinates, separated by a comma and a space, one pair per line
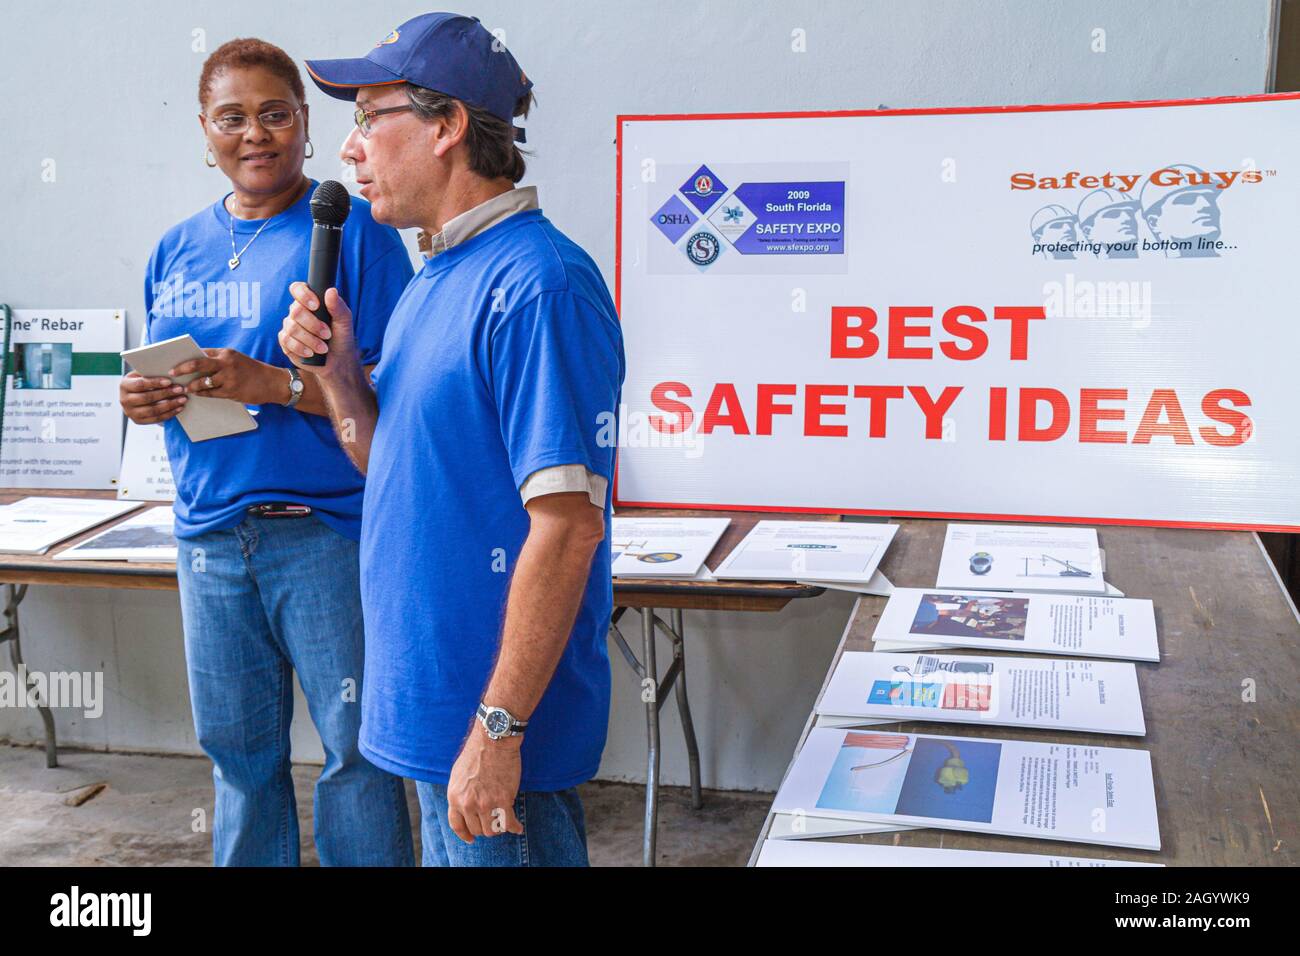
1065, 313
62, 420
146, 472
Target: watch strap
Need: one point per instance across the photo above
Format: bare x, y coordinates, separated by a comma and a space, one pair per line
516, 726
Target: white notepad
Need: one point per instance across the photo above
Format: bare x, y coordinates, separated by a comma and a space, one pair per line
202, 417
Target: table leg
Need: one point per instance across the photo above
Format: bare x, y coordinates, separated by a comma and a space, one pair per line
13, 597
684, 708
652, 735
653, 694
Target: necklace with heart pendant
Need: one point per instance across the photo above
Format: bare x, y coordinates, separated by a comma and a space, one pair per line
233, 262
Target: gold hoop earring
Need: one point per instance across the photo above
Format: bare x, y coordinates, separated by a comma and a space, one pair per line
311, 150
209, 160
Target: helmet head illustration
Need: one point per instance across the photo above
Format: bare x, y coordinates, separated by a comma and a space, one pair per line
1108, 215
1179, 204
1053, 223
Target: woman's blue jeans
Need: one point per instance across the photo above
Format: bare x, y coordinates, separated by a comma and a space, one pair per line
260, 601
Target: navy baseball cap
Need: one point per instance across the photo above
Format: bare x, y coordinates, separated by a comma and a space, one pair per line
446, 52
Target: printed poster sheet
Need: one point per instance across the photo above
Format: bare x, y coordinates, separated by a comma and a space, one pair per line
1090, 696
34, 525
663, 547
62, 420
146, 536
1053, 791
1021, 558
795, 550
795, 853
1075, 624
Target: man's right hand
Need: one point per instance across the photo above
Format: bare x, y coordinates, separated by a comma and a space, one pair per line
303, 335
147, 401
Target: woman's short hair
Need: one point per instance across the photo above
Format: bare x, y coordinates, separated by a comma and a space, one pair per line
249, 52
490, 139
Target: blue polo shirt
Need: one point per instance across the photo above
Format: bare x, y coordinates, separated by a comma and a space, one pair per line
504, 356
190, 287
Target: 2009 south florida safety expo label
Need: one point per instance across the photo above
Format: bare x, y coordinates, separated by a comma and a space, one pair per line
735, 218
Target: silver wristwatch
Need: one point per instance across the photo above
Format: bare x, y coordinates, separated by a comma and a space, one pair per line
295, 388
498, 722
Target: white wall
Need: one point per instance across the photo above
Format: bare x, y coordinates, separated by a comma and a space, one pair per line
106, 92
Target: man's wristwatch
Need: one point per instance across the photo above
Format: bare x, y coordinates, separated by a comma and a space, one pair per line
498, 723
295, 388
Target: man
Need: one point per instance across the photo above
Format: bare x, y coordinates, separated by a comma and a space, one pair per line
484, 551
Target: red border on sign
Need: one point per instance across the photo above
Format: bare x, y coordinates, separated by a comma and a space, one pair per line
622, 118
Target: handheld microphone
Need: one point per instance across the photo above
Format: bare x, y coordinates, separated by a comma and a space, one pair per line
330, 204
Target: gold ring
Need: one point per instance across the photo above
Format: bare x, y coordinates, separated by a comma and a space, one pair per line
207, 382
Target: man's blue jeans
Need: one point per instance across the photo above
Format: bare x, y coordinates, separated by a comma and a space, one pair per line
259, 601
555, 832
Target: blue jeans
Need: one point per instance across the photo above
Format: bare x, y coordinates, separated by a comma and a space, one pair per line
259, 601
555, 833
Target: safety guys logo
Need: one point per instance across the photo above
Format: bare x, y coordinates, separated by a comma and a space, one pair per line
1172, 212
705, 218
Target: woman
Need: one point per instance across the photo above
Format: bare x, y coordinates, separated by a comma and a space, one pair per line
268, 520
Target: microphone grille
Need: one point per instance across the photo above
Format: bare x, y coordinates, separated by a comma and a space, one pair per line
330, 204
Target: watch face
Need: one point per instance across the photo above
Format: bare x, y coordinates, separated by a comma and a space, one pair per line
497, 721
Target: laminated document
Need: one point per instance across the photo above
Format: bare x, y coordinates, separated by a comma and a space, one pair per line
1052, 791
799, 826
663, 547
62, 420
1021, 558
778, 852
1058, 694
809, 550
34, 525
1073, 624
878, 585
146, 536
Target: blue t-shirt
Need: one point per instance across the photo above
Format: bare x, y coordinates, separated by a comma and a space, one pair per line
504, 356
190, 287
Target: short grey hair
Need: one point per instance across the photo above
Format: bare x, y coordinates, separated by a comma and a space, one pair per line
490, 139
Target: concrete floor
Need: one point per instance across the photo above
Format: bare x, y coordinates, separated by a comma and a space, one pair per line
108, 809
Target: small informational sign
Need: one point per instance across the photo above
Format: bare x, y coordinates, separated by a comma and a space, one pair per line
62, 421
146, 472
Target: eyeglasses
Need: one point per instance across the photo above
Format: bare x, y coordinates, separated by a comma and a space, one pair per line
237, 122
363, 117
